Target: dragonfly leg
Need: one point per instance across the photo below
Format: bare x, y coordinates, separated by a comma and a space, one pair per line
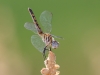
45, 51
45, 48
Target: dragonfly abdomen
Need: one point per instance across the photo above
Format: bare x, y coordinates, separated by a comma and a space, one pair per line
35, 21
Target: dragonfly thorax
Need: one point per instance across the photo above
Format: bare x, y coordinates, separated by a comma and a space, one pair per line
49, 41
47, 38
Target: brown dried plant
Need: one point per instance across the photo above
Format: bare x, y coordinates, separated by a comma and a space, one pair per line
51, 66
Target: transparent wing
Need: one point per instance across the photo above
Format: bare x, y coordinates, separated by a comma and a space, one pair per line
37, 43
57, 37
30, 26
45, 19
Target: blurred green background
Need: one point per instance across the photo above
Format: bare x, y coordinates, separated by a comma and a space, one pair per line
78, 21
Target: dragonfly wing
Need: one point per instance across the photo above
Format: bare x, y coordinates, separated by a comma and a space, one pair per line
57, 37
37, 43
30, 26
45, 19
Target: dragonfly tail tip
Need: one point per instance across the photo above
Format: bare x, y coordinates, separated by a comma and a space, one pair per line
28, 8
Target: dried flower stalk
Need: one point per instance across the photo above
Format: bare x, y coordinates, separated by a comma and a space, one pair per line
51, 66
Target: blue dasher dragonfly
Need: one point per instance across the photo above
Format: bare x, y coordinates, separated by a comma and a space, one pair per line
43, 40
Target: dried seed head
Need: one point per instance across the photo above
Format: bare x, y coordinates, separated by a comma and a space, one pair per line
51, 66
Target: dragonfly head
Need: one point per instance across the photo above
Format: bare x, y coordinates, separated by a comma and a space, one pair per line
55, 44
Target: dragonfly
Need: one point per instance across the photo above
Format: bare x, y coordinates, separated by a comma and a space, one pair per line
43, 40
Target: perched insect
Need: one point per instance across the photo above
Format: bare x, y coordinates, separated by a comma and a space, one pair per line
44, 40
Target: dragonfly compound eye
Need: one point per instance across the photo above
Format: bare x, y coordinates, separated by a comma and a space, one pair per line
55, 44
